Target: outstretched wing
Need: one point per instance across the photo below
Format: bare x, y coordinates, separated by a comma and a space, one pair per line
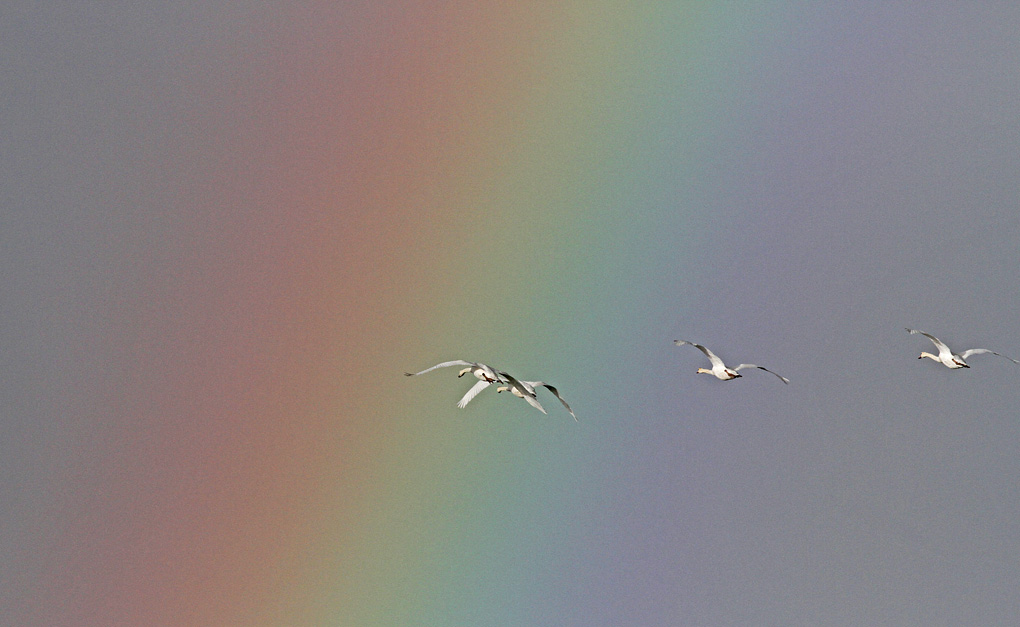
939, 344
784, 379
455, 362
480, 385
711, 356
556, 393
978, 351
534, 403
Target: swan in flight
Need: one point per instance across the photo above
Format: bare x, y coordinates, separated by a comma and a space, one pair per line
485, 374
946, 356
526, 390
719, 369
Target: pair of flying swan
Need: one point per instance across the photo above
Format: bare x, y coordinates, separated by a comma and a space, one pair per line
487, 375
945, 357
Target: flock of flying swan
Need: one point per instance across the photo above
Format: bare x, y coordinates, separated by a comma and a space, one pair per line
528, 390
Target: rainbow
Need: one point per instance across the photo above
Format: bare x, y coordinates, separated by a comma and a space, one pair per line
322, 199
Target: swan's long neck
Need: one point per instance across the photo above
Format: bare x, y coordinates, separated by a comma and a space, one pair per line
507, 388
951, 361
705, 371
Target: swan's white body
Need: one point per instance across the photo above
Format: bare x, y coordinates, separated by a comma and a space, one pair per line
486, 375
947, 358
527, 391
719, 369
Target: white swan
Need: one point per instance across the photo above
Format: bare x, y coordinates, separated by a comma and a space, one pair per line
485, 374
526, 390
946, 356
719, 369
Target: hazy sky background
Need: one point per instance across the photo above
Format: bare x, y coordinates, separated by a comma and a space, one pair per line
228, 229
